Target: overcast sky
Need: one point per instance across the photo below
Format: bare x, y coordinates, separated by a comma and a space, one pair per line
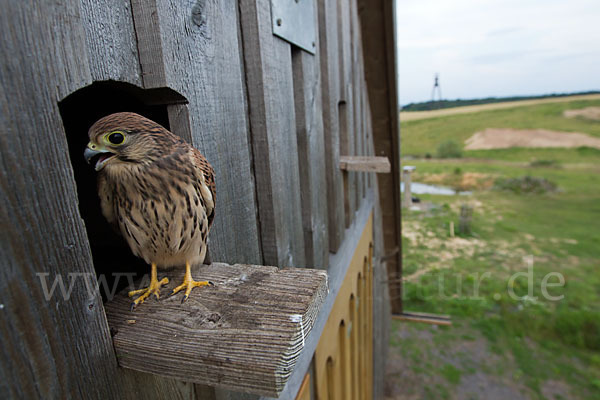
486, 48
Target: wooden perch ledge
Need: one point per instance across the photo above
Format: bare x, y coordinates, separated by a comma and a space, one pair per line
245, 333
365, 164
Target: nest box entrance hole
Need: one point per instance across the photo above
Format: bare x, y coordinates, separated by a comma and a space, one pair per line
113, 260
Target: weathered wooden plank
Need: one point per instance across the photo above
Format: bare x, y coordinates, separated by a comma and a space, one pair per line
361, 138
111, 41
149, 43
54, 359
328, 42
377, 25
55, 347
372, 180
244, 333
382, 133
381, 302
367, 139
365, 164
425, 319
272, 124
344, 151
179, 121
200, 46
358, 90
311, 156
346, 104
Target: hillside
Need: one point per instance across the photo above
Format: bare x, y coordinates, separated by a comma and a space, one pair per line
522, 284
437, 105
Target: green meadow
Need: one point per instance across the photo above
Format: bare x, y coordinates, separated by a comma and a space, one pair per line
522, 283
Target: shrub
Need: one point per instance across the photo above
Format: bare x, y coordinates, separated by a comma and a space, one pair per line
544, 163
525, 184
449, 149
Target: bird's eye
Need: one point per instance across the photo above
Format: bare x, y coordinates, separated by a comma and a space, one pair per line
116, 138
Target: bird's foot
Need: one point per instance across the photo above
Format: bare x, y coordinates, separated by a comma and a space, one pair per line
188, 284
153, 289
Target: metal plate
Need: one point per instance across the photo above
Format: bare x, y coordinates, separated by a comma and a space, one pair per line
294, 21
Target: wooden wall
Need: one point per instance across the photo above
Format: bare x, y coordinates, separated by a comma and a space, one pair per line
378, 27
272, 119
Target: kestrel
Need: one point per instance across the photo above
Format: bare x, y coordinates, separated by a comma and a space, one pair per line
155, 189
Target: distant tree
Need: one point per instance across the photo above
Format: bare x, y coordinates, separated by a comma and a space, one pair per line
437, 105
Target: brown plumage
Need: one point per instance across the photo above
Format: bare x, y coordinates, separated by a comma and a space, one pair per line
155, 189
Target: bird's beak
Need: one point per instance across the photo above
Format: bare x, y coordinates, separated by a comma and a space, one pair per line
94, 150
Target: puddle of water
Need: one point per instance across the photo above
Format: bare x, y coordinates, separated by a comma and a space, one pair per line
423, 188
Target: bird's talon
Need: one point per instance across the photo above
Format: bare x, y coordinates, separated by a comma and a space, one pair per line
189, 283
152, 290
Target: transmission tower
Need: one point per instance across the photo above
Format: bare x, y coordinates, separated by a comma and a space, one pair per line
436, 85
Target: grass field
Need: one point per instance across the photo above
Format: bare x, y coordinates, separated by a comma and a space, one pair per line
512, 336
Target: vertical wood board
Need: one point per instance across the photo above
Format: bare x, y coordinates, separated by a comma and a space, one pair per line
377, 25
346, 95
328, 42
272, 124
111, 40
54, 348
311, 156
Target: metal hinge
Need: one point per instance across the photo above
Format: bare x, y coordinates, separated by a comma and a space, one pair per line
295, 22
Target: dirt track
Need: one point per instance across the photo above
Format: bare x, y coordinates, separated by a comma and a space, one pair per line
591, 113
414, 115
492, 138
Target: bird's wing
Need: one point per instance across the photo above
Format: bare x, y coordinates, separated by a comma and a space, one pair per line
106, 194
208, 174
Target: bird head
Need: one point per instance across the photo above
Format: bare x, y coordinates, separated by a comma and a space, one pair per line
123, 139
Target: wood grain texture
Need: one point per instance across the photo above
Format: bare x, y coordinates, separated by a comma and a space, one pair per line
367, 139
150, 47
311, 156
111, 40
272, 124
245, 333
201, 50
358, 98
425, 318
365, 164
328, 51
346, 105
376, 20
179, 121
381, 302
59, 345
55, 348
372, 181
377, 25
